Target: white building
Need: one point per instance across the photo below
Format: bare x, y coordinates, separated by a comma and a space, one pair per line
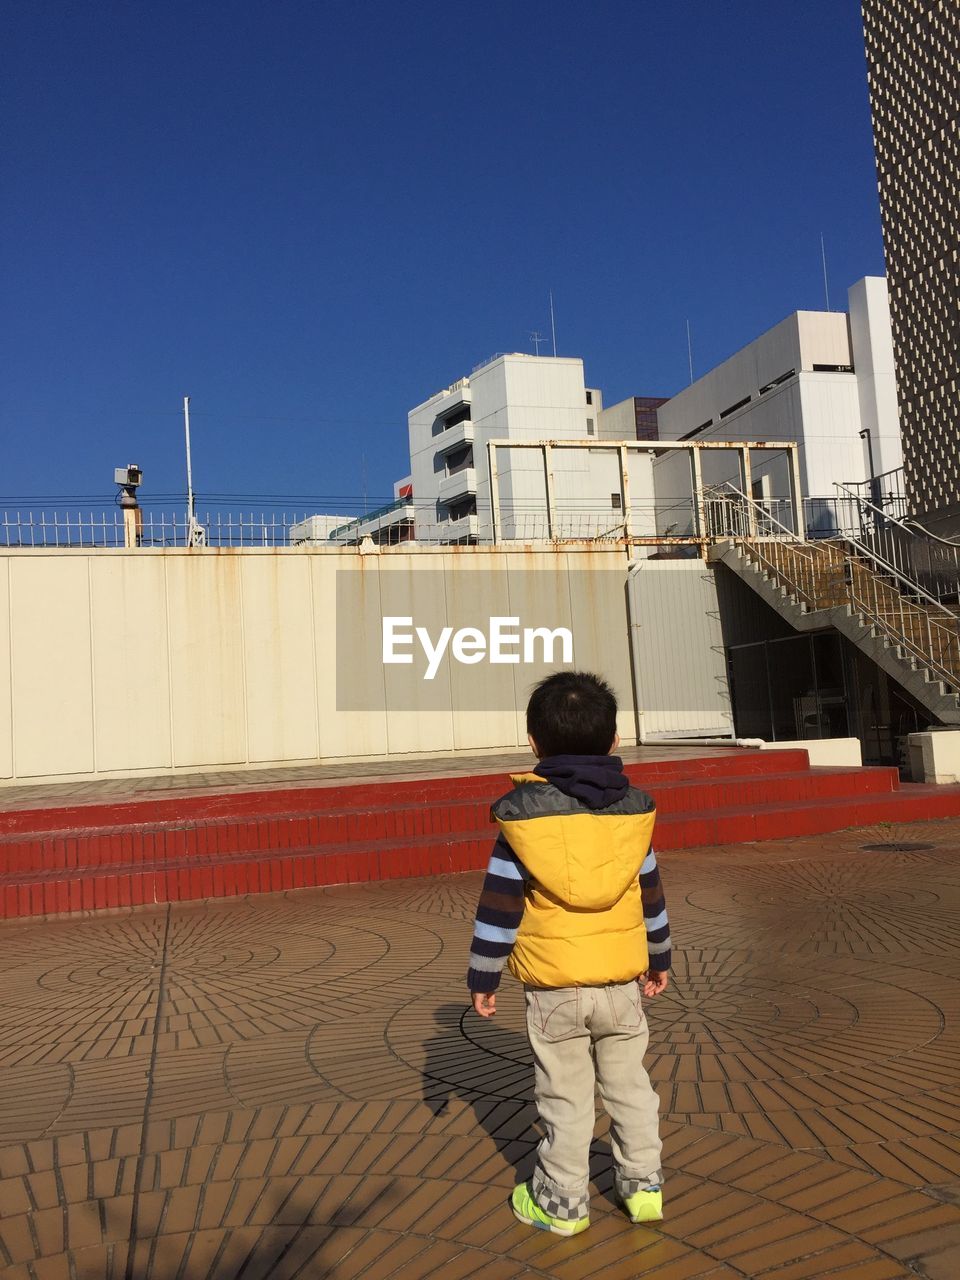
523, 398
315, 529
822, 378
389, 524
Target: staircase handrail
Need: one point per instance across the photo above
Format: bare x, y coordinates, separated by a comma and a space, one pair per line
878, 569
948, 623
865, 502
891, 571
905, 639
930, 562
948, 636
757, 506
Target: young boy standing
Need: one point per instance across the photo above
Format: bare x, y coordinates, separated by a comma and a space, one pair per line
572, 904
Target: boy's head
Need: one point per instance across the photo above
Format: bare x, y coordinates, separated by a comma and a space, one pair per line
572, 713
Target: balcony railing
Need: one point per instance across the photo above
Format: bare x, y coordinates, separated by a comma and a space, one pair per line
391, 513
454, 438
460, 485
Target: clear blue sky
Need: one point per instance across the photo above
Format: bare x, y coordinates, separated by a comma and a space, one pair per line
310, 215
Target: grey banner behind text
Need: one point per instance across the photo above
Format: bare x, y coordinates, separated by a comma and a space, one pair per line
458, 639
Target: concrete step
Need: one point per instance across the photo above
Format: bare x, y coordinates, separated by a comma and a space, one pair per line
59, 890
266, 802
911, 803
208, 840
222, 857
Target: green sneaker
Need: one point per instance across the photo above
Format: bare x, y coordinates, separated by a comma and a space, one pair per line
645, 1206
526, 1210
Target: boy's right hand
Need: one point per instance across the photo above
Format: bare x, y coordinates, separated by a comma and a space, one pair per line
654, 981
485, 1003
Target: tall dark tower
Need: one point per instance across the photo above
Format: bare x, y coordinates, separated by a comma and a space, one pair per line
913, 61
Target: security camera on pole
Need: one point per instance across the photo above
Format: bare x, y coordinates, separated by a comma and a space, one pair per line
129, 479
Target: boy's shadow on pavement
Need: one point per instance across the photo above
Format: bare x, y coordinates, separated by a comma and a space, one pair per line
487, 1064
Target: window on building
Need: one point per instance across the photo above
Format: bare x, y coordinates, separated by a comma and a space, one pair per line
443, 423
591, 427
697, 430
645, 413
589, 397
616, 501
459, 459
725, 413
768, 386
465, 507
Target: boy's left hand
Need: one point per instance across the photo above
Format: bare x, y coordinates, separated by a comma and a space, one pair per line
485, 1003
654, 981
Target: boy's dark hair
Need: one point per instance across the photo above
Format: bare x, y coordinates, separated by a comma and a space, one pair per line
572, 713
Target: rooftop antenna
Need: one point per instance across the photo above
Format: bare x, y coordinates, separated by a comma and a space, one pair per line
553, 326
536, 337
690, 352
196, 534
823, 257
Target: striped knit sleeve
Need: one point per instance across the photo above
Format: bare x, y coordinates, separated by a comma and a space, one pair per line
499, 913
655, 913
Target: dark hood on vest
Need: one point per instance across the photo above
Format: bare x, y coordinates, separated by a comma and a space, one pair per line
596, 781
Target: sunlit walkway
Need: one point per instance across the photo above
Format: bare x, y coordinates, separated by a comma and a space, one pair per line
289, 1085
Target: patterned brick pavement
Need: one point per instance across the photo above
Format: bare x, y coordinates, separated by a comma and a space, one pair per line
289, 1085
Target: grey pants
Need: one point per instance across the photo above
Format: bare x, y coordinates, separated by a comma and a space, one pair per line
581, 1036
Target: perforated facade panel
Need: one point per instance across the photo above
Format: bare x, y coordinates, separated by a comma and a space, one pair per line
913, 60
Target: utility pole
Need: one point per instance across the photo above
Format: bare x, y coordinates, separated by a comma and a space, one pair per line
690, 352
195, 534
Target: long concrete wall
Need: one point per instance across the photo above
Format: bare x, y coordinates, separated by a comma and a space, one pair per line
116, 663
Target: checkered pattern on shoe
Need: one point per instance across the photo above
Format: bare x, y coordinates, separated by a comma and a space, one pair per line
630, 1186
554, 1203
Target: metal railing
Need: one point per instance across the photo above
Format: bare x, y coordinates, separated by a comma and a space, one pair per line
930, 636
731, 513
765, 539
823, 517
930, 563
848, 513
105, 528
398, 522
355, 526
900, 608
886, 491
845, 571
483, 363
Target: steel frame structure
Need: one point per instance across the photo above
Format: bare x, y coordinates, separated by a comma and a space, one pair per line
742, 448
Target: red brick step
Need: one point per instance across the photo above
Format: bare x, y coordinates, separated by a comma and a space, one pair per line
280, 838
264, 871
235, 803
204, 840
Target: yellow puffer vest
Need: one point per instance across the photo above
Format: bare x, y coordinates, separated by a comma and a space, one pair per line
583, 914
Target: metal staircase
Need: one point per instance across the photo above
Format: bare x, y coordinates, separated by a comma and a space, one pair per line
843, 583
